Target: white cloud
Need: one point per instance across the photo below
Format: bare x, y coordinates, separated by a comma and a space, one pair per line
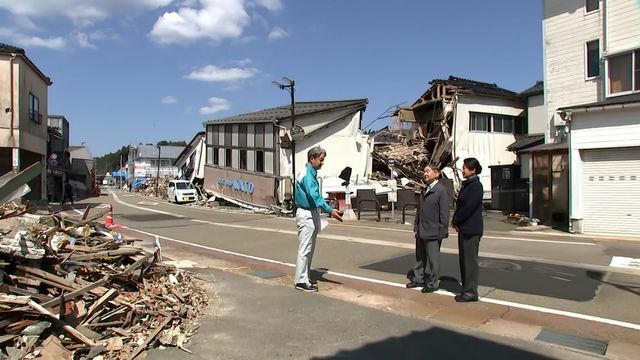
83, 40
217, 74
26, 23
169, 99
216, 20
22, 40
273, 5
277, 33
81, 12
215, 105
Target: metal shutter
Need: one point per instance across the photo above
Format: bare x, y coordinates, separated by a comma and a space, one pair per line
611, 191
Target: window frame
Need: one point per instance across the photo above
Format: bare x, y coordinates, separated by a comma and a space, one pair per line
34, 108
472, 123
586, 7
586, 60
635, 54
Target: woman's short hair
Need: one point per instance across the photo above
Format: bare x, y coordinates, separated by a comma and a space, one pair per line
473, 164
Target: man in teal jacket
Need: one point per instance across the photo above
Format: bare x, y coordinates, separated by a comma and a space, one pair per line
308, 202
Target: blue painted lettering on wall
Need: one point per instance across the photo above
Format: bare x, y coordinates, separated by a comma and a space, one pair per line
237, 185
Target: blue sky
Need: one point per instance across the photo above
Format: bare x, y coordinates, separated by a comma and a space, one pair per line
130, 71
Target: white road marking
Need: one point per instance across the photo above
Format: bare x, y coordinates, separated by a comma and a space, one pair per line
366, 241
150, 203
398, 285
625, 262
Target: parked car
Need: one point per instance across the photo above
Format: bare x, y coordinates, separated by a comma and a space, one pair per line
181, 191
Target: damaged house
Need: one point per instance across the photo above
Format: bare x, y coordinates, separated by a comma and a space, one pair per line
458, 118
249, 155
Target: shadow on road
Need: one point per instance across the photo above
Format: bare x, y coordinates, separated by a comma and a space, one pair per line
435, 343
561, 282
318, 275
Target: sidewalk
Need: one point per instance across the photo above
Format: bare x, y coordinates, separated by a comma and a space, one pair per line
256, 319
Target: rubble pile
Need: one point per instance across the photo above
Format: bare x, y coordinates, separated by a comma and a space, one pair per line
72, 289
162, 184
409, 157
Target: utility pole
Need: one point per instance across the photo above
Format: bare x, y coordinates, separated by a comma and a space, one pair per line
158, 172
291, 88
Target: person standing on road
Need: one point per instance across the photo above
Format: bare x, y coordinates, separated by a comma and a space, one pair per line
430, 227
308, 201
68, 193
467, 220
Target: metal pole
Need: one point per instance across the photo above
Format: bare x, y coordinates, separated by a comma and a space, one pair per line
158, 172
293, 146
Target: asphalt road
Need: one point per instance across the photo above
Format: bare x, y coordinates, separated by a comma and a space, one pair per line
560, 273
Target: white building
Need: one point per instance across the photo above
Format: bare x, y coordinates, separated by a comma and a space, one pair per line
592, 85
249, 155
149, 161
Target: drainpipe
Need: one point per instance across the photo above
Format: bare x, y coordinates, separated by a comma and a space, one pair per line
12, 102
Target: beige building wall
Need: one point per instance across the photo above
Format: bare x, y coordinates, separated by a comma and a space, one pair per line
567, 27
623, 26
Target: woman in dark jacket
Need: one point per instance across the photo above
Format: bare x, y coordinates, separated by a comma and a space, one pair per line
431, 226
467, 220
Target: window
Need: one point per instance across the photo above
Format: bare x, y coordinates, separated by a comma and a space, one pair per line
260, 161
503, 124
243, 159
620, 73
34, 109
593, 59
216, 156
227, 157
242, 135
478, 122
259, 136
636, 72
592, 5
228, 134
214, 135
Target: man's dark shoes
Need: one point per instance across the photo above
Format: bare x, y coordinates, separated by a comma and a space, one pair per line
429, 289
307, 288
465, 298
414, 284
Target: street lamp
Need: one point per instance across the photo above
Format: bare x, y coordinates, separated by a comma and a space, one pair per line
291, 88
158, 172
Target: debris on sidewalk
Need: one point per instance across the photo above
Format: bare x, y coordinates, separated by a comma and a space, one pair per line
162, 184
521, 220
72, 289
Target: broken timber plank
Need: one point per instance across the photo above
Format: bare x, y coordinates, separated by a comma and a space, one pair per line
153, 335
110, 295
79, 292
69, 329
137, 264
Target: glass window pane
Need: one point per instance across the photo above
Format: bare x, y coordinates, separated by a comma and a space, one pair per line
593, 58
216, 156
243, 159
268, 162
242, 135
592, 5
227, 157
637, 70
259, 135
228, 133
497, 123
260, 161
620, 73
507, 125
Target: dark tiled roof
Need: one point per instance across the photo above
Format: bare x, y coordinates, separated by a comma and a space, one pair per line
526, 141
616, 100
536, 89
284, 112
10, 49
548, 147
476, 87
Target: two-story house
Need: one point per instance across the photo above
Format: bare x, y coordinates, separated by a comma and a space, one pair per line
592, 80
23, 116
460, 118
148, 161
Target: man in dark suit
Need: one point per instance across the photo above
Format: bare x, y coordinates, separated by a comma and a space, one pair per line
430, 227
467, 220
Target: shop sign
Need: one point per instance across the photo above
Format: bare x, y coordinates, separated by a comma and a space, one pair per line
237, 185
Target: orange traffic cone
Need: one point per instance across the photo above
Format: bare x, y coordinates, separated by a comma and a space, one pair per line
108, 222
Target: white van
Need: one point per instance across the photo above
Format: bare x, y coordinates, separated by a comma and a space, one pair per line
181, 191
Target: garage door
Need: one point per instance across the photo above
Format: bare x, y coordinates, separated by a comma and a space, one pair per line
611, 179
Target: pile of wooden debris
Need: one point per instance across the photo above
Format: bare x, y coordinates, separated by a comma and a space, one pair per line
72, 289
409, 158
162, 184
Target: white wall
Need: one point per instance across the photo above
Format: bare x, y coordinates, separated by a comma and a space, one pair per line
596, 130
489, 148
566, 29
536, 115
623, 25
344, 143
